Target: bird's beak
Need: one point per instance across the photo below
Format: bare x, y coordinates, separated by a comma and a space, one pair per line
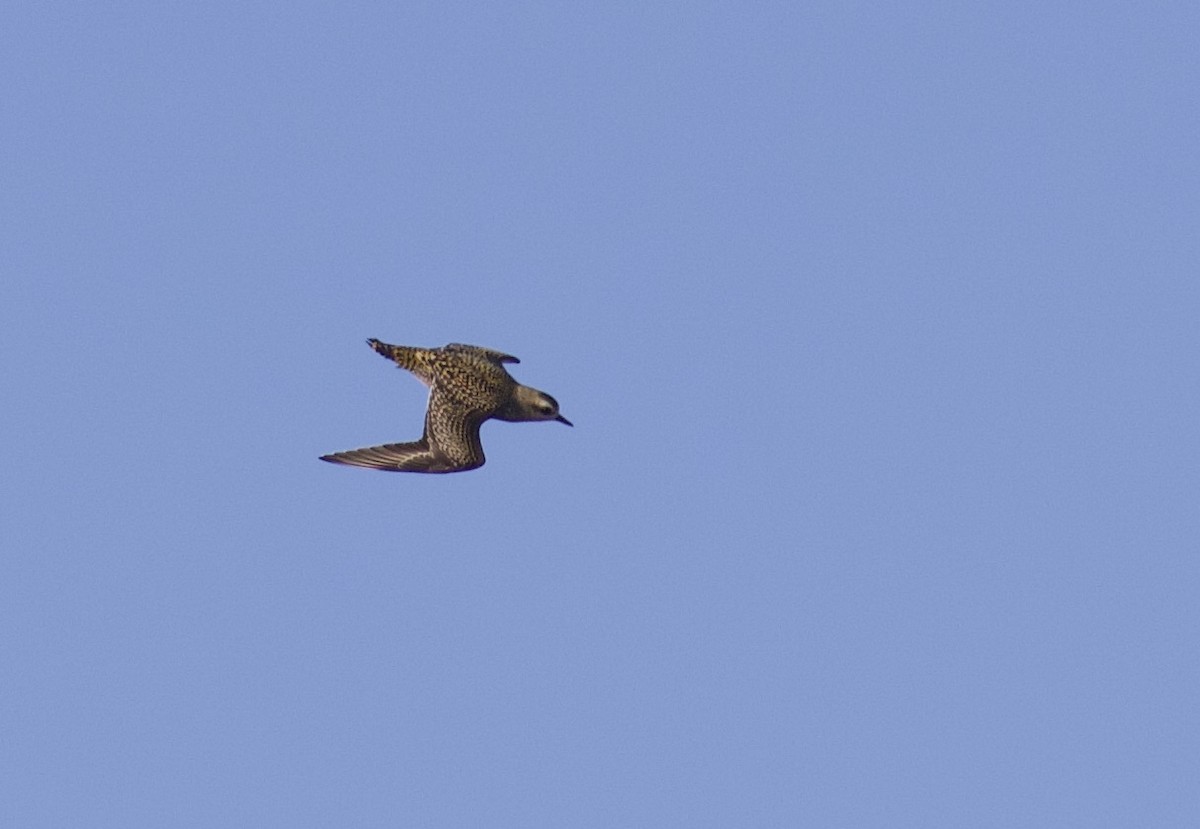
562, 419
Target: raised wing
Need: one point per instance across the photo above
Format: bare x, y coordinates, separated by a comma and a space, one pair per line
497, 357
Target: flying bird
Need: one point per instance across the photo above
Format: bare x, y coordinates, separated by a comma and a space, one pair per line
467, 385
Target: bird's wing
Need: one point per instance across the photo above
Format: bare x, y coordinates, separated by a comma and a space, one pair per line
450, 444
497, 357
452, 431
395, 457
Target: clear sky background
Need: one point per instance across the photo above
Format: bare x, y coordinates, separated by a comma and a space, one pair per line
878, 327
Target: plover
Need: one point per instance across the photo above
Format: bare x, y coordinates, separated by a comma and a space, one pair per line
467, 385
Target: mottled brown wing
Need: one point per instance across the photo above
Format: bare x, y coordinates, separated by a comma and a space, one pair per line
450, 444
452, 432
496, 357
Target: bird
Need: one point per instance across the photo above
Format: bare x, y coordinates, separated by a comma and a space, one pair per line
468, 385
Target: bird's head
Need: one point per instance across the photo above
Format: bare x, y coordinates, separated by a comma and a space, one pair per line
532, 404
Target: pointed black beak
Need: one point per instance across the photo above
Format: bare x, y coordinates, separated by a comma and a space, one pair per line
562, 419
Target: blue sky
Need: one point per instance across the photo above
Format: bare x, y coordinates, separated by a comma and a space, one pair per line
878, 329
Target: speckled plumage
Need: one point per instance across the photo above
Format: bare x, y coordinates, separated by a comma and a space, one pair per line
467, 385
